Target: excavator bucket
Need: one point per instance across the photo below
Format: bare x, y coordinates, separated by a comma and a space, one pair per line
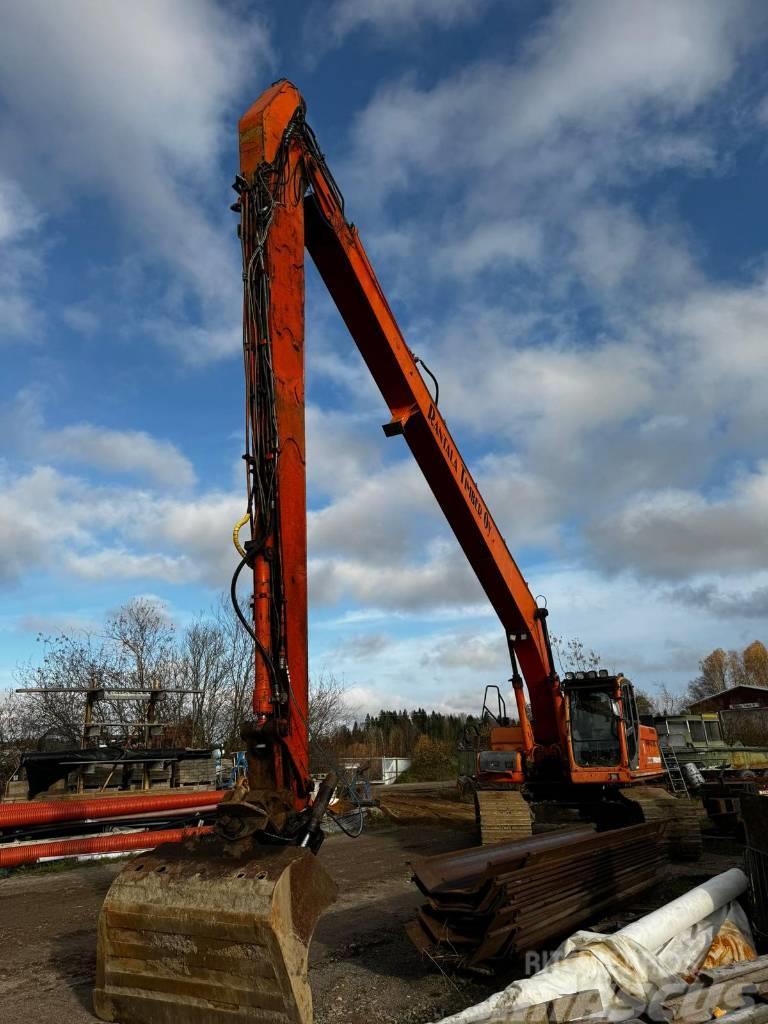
206, 933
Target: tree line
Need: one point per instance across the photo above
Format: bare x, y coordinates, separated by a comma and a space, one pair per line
396, 733
138, 647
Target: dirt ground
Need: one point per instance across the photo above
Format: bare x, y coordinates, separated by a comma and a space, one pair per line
363, 968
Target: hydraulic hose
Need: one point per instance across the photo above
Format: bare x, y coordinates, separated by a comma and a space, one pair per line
28, 853
236, 533
34, 813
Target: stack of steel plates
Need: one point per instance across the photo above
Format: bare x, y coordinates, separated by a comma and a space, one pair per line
754, 814
495, 901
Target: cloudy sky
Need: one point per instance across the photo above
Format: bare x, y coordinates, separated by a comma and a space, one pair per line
565, 203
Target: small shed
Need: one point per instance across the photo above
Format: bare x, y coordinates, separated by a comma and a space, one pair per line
737, 698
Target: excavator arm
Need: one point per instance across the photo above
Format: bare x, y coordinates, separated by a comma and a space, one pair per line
338, 254
288, 200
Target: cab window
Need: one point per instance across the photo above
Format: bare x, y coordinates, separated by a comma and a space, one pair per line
594, 728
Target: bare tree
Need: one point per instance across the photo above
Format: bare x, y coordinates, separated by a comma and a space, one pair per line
644, 702
68, 663
239, 656
143, 637
327, 705
14, 736
140, 639
666, 702
135, 651
139, 649
203, 667
572, 656
216, 658
328, 711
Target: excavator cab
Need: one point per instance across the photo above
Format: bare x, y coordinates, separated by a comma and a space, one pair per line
604, 724
596, 719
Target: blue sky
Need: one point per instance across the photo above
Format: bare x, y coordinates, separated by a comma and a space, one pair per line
565, 204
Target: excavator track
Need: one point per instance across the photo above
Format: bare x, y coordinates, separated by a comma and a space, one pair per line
502, 815
200, 935
652, 803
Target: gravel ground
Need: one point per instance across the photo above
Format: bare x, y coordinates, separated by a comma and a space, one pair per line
363, 968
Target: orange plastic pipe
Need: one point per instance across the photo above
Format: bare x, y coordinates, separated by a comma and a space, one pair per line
44, 813
28, 853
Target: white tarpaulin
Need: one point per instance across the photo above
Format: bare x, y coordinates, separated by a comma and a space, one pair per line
635, 968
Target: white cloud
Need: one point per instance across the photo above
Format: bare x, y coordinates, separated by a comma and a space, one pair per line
133, 104
57, 623
342, 450
451, 698
39, 510
722, 329
110, 532
117, 563
369, 700
198, 529
674, 534
377, 518
613, 247
570, 105
20, 265
507, 381
395, 15
383, 20
637, 627
601, 57
748, 601
442, 579
489, 246
113, 451
123, 451
382, 538
18, 217
362, 645
482, 653
81, 318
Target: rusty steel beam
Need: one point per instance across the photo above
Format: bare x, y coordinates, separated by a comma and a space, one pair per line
466, 870
487, 903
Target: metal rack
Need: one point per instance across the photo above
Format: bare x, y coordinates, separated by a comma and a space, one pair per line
151, 728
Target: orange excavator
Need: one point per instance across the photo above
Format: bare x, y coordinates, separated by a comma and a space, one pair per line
217, 930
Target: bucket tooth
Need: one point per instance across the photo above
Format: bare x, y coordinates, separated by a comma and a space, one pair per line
200, 934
